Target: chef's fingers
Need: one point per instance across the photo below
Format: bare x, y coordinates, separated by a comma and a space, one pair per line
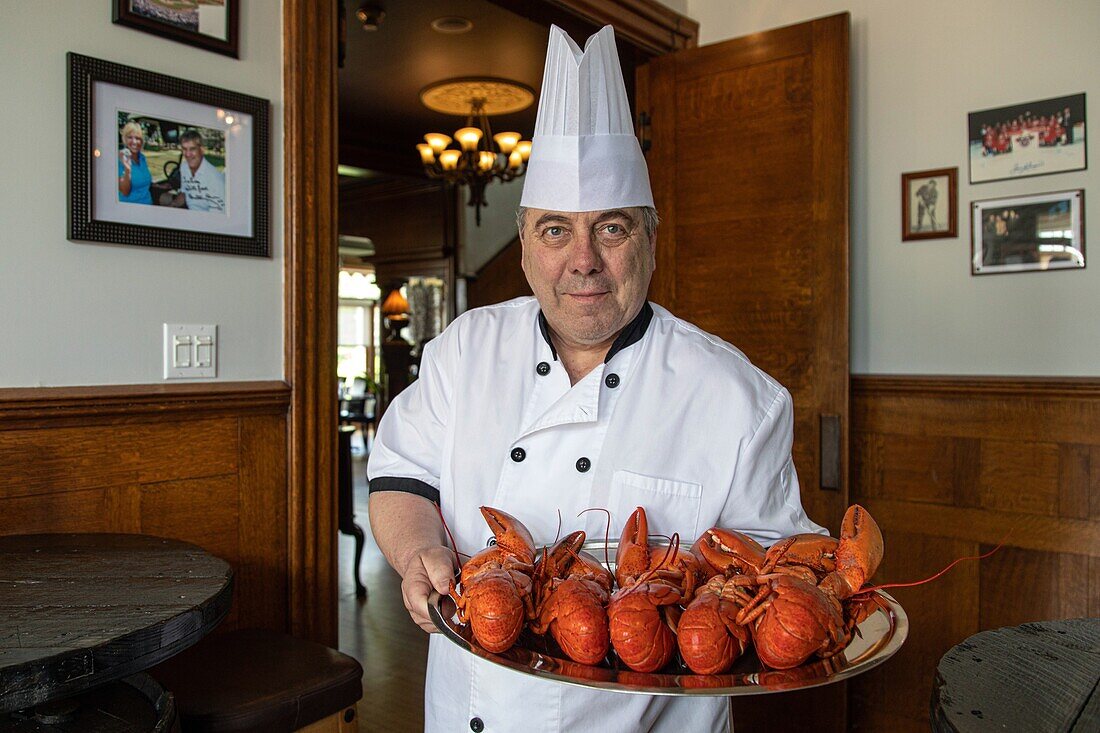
415, 587
440, 565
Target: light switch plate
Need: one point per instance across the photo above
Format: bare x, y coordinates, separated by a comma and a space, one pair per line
190, 351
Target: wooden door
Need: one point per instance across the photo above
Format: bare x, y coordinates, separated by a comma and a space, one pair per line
749, 161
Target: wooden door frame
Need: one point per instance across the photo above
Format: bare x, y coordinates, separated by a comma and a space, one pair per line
310, 276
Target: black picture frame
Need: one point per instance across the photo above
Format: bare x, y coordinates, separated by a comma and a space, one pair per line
246, 204
123, 13
1039, 138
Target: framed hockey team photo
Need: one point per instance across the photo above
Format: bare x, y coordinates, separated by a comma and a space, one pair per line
165, 162
930, 204
1024, 233
1030, 139
210, 24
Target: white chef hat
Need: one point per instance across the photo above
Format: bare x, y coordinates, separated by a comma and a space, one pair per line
584, 155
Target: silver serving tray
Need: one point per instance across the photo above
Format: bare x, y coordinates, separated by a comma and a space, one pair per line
880, 636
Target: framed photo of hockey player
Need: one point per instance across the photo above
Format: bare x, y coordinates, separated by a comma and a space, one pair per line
159, 161
930, 204
1025, 233
1030, 139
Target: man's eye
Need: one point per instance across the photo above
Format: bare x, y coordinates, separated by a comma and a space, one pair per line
613, 231
555, 231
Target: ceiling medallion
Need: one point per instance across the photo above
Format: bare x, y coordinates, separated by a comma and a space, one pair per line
481, 156
498, 96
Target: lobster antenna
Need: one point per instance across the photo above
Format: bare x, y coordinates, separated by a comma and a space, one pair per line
450, 536
606, 534
557, 534
953, 563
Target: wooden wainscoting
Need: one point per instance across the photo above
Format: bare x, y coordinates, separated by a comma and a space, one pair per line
202, 463
951, 467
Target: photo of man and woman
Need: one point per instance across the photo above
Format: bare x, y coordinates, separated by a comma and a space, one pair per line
169, 163
1028, 139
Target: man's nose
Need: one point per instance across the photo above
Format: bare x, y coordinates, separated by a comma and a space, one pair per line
584, 255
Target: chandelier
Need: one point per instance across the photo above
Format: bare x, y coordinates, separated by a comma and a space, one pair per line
480, 156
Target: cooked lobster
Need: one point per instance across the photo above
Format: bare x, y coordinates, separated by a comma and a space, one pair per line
644, 612
496, 584
792, 617
572, 590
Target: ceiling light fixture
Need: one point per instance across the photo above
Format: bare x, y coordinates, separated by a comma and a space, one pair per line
480, 156
370, 15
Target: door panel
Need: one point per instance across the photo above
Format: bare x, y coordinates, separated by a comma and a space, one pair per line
749, 163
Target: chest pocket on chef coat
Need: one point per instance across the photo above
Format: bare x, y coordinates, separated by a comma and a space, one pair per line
670, 506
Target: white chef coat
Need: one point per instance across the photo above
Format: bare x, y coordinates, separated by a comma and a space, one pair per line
675, 420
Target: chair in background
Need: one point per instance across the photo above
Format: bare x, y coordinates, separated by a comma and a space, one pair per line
357, 406
346, 501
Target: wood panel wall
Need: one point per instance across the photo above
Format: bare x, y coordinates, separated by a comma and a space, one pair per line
499, 279
951, 467
202, 463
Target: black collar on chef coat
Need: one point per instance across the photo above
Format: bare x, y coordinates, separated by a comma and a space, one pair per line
629, 336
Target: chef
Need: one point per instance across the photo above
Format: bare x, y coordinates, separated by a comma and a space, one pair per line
584, 396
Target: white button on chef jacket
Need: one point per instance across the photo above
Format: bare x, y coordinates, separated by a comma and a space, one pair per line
691, 431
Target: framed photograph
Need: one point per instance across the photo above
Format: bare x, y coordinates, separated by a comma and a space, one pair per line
930, 204
1031, 139
209, 24
165, 162
1043, 231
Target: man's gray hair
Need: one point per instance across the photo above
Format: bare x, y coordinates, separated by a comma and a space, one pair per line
650, 220
192, 135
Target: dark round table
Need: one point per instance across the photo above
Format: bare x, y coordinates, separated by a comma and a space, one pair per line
1037, 677
81, 610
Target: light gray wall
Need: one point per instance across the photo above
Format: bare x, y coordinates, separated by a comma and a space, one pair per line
498, 223
917, 69
77, 313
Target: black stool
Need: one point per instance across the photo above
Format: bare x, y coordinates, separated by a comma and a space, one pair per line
256, 680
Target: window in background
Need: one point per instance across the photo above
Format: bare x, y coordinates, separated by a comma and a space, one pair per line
357, 325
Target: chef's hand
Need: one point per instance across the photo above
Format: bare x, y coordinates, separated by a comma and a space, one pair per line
431, 568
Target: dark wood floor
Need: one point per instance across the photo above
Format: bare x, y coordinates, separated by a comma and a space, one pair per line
379, 633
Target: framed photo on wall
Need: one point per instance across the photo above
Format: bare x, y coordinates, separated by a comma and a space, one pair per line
210, 24
1043, 231
930, 204
1030, 139
165, 162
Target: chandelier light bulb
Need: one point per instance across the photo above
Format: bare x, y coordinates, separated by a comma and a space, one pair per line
468, 137
448, 159
506, 141
524, 149
515, 160
438, 141
427, 155
486, 160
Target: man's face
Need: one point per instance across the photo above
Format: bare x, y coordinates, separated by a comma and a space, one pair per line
589, 270
192, 152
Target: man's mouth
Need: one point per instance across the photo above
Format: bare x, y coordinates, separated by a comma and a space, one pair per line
588, 296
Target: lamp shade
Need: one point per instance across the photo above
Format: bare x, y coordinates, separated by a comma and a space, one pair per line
395, 306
